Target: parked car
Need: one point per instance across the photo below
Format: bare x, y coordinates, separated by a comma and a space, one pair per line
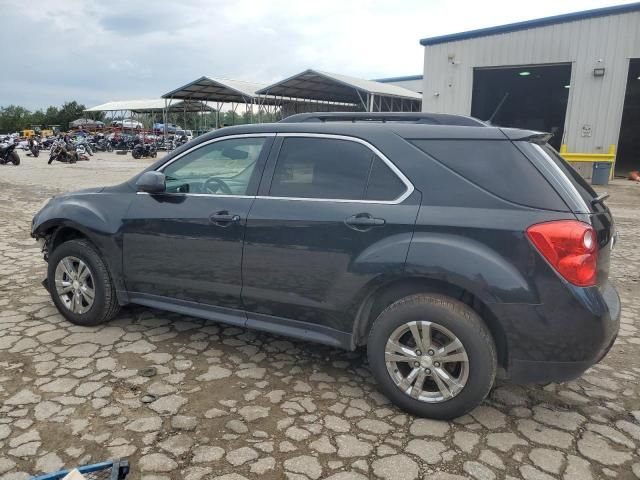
127, 123
171, 128
449, 248
188, 134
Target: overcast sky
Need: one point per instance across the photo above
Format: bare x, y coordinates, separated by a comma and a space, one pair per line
98, 51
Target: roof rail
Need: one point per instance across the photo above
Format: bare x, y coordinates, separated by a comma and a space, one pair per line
384, 117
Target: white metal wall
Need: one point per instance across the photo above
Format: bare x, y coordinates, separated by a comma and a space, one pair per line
597, 102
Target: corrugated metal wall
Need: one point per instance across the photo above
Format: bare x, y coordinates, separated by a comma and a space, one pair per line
593, 101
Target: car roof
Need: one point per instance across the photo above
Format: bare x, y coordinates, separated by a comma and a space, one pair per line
369, 130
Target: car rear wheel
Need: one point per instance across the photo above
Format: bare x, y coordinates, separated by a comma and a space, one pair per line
80, 284
433, 356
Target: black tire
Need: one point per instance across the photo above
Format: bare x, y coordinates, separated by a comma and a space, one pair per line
105, 304
460, 320
135, 153
14, 158
35, 152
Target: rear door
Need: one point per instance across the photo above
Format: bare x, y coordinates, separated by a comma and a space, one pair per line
333, 215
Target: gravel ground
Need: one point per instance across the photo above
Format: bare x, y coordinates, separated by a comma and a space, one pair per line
182, 398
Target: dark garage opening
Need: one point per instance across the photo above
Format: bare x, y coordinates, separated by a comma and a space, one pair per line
532, 97
628, 157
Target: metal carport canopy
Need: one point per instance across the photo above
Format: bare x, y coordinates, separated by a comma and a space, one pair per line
221, 90
150, 105
319, 85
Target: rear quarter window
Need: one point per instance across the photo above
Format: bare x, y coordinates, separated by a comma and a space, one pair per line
498, 167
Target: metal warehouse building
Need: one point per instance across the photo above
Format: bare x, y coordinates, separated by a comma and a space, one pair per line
575, 75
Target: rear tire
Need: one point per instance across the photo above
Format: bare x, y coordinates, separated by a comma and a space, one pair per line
446, 320
14, 158
91, 311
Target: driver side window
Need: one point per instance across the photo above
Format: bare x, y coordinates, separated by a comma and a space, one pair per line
223, 168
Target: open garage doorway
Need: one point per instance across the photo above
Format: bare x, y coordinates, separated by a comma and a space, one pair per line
628, 157
533, 97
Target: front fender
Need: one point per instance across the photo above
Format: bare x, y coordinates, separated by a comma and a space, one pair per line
96, 216
472, 265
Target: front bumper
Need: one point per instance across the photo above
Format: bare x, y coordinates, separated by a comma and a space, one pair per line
560, 346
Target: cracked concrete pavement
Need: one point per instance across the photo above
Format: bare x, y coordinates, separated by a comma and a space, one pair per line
228, 403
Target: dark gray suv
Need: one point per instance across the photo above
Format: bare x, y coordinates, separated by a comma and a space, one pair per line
447, 247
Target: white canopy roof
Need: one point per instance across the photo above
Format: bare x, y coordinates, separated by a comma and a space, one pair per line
320, 85
149, 105
214, 89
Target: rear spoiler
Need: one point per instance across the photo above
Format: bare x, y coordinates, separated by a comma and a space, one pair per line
532, 136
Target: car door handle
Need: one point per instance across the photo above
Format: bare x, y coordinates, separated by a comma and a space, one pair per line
224, 218
364, 220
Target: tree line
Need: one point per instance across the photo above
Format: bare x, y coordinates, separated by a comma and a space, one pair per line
15, 118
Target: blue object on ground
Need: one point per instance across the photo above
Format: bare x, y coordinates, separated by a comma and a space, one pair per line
110, 470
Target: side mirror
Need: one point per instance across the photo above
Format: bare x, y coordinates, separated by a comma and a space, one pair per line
151, 182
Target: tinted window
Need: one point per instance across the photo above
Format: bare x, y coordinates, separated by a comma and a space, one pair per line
321, 168
498, 167
383, 183
584, 189
223, 167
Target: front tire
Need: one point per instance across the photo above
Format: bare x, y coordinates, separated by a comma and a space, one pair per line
433, 356
80, 284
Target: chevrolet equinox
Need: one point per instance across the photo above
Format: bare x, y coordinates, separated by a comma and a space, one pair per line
450, 248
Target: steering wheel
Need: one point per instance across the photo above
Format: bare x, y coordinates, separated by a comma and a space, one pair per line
215, 185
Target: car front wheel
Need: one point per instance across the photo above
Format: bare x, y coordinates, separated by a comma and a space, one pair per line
80, 284
433, 356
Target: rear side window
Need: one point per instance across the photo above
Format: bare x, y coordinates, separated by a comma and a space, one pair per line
498, 167
383, 183
332, 169
584, 189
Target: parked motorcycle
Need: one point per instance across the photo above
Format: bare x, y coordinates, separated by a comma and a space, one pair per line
61, 151
45, 144
180, 140
34, 147
8, 154
144, 150
100, 144
123, 142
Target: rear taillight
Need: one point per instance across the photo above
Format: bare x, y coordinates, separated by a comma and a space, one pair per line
570, 246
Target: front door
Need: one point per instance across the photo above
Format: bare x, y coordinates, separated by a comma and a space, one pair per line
332, 218
186, 243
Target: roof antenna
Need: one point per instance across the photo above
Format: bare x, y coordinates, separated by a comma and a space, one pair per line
495, 112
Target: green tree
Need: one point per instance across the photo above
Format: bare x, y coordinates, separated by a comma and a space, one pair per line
69, 112
13, 118
51, 116
37, 118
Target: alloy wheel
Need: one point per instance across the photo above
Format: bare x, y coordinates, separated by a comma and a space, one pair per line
427, 361
74, 284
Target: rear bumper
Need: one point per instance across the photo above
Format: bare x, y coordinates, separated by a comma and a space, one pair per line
527, 371
562, 342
